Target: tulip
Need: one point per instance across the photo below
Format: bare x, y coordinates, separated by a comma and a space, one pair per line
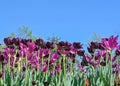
110, 43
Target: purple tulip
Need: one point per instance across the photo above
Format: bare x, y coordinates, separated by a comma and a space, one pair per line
63, 46
114, 65
90, 50
89, 58
8, 41
9, 51
113, 58
58, 68
53, 73
115, 71
54, 57
45, 68
62, 52
118, 48
31, 46
80, 52
77, 45
102, 54
119, 67
110, 43
2, 56
73, 50
80, 67
45, 53
24, 50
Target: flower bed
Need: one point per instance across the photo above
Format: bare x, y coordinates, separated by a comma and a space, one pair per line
24, 62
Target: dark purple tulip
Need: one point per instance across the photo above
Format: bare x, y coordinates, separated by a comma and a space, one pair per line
46, 83
63, 46
33, 83
114, 65
1, 75
115, 71
67, 46
40, 43
8, 41
101, 46
18, 54
77, 45
90, 50
84, 62
103, 63
11, 46
80, 52
62, 43
24, 41
114, 58
50, 45
23, 68
16, 41
29, 40
2, 57
94, 45
117, 53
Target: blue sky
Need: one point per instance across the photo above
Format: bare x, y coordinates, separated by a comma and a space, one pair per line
71, 20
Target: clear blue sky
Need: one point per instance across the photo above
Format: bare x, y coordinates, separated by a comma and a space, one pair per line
71, 20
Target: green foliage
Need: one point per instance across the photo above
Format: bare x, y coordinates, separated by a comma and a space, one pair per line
54, 38
23, 32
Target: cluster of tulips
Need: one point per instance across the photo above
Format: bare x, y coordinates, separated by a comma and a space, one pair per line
24, 62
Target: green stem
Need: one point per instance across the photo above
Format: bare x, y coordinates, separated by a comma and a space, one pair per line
9, 63
1, 81
26, 72
64, 59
